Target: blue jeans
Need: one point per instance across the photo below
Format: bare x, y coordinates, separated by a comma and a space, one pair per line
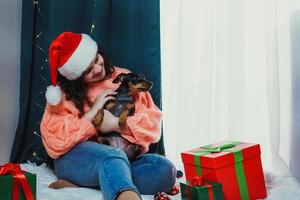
90, 164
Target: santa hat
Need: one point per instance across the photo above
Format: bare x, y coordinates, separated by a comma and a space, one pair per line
70, 54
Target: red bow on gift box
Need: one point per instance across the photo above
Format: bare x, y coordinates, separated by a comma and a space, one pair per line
198, 181
18, 179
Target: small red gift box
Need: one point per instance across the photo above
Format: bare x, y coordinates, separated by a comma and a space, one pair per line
236, 165
201, 190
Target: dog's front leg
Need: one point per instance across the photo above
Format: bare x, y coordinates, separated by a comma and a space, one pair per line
97, 121
123, 117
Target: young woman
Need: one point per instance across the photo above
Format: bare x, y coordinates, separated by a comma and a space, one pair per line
84, 85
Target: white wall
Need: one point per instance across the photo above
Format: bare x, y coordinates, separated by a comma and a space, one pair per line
10, 43
295, 44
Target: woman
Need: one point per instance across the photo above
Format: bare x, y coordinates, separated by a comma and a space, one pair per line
85, 85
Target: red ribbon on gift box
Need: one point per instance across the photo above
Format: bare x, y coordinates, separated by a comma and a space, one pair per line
18, 179
198, 181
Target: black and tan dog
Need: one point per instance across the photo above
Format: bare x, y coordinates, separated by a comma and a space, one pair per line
122, 107
123, 104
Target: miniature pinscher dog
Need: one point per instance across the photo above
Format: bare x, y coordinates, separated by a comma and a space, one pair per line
123, 104
122, 107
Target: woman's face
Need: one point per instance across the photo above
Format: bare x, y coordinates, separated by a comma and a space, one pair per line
96, 71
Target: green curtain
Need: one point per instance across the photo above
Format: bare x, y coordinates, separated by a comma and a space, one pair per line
128, 30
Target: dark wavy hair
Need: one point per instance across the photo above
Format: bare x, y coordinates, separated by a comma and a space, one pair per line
76, 90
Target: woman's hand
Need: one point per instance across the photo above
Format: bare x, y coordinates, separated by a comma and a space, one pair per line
102, 98
109, 123
100, 101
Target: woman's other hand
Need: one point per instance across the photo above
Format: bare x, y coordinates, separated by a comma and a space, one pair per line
102, 98
100, 101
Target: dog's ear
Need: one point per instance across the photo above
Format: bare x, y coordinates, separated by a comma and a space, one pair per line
141, 75
120, 78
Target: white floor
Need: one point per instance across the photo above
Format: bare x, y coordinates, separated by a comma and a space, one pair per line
279, 187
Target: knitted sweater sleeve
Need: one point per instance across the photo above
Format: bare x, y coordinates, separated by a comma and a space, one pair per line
144, 127
61, 129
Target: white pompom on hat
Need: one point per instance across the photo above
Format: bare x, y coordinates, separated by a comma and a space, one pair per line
70, 54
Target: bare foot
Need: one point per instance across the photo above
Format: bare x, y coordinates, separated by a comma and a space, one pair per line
61, 184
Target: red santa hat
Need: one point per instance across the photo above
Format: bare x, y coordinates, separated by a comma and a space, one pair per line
70, 54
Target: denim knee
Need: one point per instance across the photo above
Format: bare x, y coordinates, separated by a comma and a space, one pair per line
154, 173
168, 173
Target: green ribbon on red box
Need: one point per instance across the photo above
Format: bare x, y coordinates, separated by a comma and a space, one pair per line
238, 158
19, 179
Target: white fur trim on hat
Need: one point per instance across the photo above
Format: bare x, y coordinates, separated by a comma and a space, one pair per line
80, 59
53, 95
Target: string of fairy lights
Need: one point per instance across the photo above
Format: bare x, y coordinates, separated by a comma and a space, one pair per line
93, 22
37, 9
44, 66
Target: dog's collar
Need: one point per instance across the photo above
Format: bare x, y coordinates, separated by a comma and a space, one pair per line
125, 98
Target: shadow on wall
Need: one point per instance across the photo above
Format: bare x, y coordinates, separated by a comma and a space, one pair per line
295, 48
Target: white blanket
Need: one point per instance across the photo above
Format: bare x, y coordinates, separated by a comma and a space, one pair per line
279, 187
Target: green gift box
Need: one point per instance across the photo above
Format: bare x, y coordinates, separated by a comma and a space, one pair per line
207, 191
6, 186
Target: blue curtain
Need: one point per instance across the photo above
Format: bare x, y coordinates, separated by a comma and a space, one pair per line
129, 32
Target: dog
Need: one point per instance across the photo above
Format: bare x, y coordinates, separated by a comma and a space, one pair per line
123, 104
122, 107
